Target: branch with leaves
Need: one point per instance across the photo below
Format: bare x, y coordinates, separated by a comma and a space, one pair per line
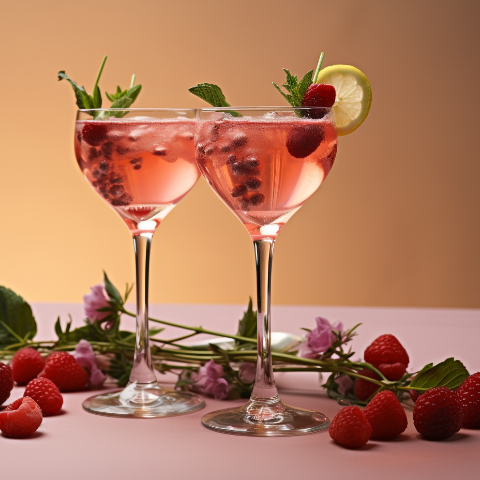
116, 346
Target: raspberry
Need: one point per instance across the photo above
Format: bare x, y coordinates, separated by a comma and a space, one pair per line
350, 428
6, 382
469, 395
27, 363
319, 95
46, 394
253, 184
21, 418
388, 355
393, 371
438, 413
303, 140
239, 190
65, 372
364, 389
94, 133
386, 415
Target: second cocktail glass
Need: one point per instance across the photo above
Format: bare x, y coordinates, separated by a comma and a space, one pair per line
264, 163
141, 161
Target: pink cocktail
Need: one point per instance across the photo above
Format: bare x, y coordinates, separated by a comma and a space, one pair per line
265, 168
141, 166
141, 162
264, 163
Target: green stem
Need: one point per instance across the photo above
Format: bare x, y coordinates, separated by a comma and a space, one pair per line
100, 72
11, 332
319, 66
132, 83
196, 329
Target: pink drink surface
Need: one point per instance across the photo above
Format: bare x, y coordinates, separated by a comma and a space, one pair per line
265, 169
141, 167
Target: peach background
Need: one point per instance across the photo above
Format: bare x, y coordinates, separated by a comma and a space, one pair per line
396, 223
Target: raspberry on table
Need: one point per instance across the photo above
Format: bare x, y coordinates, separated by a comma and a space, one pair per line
6, 382
393, 371
386, 415
469, 395
65, 372
350, 428
363, 389
438, 413
46, 395
21, 418
27, 363
388, 355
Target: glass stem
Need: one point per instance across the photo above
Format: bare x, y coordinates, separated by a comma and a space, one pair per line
264, 387
142, 370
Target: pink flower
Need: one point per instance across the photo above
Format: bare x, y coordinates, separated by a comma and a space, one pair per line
247, 372
319, 339
94, 300
209, 380
86, 358
345, 383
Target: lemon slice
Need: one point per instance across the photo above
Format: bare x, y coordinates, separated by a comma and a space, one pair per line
354, 95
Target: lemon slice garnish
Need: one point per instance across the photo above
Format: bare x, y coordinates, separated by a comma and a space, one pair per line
354, 95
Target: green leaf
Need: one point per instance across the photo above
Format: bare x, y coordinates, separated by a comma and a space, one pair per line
304, 84
84, 101
58, 329
154, 331
450, 373
213, 95
97, 97
16, 318
247, 326
133, 92
111, 290
296, 91
288, 98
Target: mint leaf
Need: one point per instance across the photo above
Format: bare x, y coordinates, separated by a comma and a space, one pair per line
247, 327
213, 95
118, 94
450, 373
295, 90
16, 318
304, 84
97, 97
84, 100
123, 99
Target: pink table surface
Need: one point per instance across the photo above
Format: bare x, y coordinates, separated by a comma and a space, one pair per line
78, 445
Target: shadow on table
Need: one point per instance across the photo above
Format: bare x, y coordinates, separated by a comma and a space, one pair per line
31, 437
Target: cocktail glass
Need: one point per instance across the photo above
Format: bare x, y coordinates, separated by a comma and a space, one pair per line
142, 163
264, 164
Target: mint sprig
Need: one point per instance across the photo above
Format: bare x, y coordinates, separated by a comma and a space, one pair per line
213, 95
120, 99
295, 89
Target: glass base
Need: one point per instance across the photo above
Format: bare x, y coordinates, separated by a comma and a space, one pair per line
266, 418
144, 401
